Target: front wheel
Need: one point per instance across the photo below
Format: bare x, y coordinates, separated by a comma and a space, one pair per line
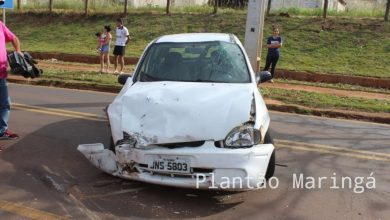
271, 164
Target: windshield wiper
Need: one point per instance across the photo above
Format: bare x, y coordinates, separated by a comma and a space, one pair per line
205, 80
149, 78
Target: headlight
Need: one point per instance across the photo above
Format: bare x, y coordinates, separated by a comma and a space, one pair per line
243, 136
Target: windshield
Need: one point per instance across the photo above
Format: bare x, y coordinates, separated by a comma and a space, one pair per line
219, 62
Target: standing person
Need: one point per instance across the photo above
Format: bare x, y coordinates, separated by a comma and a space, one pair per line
6, 36
105, 49
274, 43
122, 39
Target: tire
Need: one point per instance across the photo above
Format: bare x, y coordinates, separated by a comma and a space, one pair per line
271, 164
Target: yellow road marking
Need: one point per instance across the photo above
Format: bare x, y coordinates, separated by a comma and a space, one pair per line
78, 194
360, 154
52, 109
327, 118
58, 112
119, 192
21, 210
310, 145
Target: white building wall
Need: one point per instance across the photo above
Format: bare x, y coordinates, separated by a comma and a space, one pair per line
333, 4
366, 4
163, 3
181, 3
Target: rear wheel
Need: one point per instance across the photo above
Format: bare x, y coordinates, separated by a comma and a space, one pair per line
271, 164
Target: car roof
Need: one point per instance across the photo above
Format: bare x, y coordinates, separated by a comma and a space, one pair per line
196, 37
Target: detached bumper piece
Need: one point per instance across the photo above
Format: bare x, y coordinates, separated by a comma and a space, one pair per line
204, 167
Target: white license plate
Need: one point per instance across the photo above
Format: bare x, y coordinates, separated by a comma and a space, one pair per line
170, 165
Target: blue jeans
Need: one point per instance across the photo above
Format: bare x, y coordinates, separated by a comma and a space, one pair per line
4, 106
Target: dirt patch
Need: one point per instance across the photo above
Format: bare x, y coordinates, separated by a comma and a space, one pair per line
334, 78
332, 113
48, 64
77, 58
348, 93
272, 101
88, 68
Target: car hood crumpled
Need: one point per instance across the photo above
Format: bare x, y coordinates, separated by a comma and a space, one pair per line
172, 112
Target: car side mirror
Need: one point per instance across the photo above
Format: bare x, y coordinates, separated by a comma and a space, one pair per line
263, 76
122, 79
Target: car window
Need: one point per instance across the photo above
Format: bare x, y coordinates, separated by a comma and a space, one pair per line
221, 62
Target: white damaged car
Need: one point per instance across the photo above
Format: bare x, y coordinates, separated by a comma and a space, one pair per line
190, 116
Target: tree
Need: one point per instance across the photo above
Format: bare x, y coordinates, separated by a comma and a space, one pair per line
50, 6
19, 6
86, 7
269, 7
387, 10
168, 8
215, 7
125, 9
326, 2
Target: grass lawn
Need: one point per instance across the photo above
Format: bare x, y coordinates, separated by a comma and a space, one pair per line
318, 100
341, 45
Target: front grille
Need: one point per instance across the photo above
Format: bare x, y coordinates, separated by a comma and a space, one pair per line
182, 144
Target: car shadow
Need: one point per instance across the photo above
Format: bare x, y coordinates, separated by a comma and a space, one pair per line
47, 165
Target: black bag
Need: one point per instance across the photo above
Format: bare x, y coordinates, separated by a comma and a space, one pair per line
23, 65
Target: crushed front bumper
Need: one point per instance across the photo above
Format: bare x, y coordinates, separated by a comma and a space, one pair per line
211, 167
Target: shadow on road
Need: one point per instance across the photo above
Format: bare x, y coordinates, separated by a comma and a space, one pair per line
47, 165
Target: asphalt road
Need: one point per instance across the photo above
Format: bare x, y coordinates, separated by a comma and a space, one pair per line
43, 176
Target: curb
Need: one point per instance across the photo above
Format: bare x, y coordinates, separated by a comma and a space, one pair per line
67, 85
370, 117
334, 78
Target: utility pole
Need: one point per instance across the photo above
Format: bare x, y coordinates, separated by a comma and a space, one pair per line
254, 31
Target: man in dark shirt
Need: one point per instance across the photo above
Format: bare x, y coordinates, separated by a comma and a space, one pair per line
274, 43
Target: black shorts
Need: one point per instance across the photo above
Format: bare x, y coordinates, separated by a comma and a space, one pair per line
119, 50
